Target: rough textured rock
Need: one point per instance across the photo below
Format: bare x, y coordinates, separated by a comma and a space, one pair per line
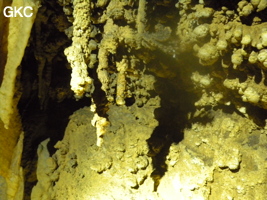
14, 44
15, 178
217, 160
171, 100
119, 168
14, 36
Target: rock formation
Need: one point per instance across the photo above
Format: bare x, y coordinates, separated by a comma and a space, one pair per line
140, 99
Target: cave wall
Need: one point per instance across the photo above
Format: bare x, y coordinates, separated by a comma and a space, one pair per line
177, 92
15, 33
204, 63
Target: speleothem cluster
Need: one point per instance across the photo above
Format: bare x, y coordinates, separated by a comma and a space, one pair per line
114, 49
231, 43
121, 54
117, 39
111, 38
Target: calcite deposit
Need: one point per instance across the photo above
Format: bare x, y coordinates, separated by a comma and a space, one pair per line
136, 99
14, 36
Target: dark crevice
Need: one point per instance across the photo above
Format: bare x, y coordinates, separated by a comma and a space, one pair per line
39, 125
163, 12
172, 118
129, 101
231, 5
40, 122
256, 114
176, 103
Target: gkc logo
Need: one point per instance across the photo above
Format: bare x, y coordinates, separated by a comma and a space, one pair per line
20, 11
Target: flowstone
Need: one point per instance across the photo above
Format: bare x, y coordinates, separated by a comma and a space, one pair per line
119, 168
219, 160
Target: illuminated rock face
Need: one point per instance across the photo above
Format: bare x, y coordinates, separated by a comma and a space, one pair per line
14, 35
117, 168
176, 100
